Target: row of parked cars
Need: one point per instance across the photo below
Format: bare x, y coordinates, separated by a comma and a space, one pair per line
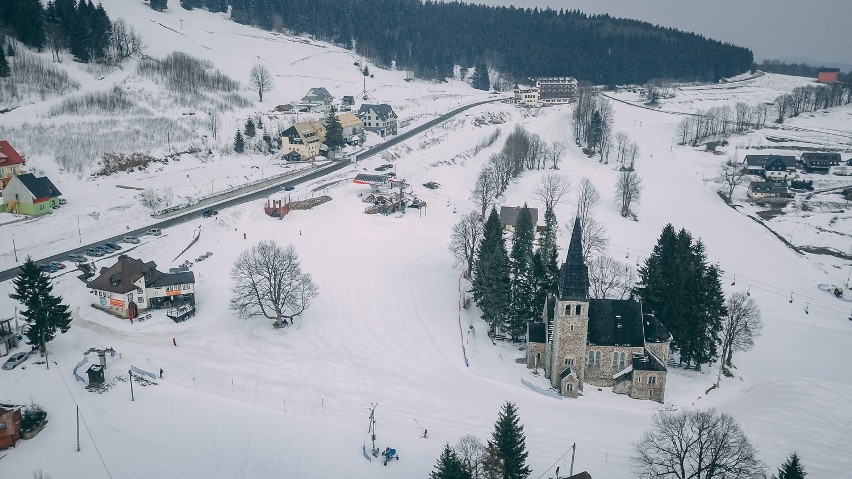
96, 252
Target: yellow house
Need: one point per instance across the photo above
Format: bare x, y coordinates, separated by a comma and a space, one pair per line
11, 163
304, 138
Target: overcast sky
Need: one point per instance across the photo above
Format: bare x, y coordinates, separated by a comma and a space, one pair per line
816, 31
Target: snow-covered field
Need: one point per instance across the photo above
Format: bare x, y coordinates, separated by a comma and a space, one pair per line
241, 400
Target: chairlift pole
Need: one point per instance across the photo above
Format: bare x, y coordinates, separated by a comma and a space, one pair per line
372, 428
130, 372
573, 450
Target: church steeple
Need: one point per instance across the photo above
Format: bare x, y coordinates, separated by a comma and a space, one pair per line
574, 275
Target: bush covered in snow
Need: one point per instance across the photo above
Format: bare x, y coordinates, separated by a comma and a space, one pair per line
115, 100
33, 78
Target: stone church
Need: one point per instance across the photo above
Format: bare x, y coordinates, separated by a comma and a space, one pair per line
602, 342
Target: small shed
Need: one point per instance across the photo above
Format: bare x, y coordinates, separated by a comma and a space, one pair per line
285, 108
10, 425
827, 75
277, 207
96, 375
509, 216
293, 156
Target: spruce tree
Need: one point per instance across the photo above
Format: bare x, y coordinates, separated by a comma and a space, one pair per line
10, 50
492, 463
4, 65
508, 438
250, 128
594, 134
239, 142
334, 132
491, 282
44, 313
366, 71
523, 307
791, 469
159, 5
549, 253
480, 79
449, 466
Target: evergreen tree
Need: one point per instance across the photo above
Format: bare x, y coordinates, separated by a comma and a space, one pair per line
10, 50
791, 469
491, 283
449, 466
249, 128
508, 438
260, 123
523, 306
480, 79
334, 132
366, 71
159, 5
239, 143
492, 463
540, 286
4, 65
44, 313
594, 134
549, 254
28, 22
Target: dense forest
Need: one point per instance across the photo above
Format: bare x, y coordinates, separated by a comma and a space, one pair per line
797, 69
429, 38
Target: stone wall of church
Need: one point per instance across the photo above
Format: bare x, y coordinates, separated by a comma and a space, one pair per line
535, 355
601, 376
570, 387
623, 385
644, 389
569, 338
661, 350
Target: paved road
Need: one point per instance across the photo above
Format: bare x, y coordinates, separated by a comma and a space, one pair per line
193, 213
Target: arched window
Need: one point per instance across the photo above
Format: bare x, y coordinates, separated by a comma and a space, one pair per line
591, 358
619, 361
571, 328
568, 310
579, 310
597, 358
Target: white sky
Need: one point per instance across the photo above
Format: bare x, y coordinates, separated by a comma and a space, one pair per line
791, 30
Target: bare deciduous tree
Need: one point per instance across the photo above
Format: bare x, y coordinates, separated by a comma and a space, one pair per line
557, 151
471, 451
732, 175
124, 41
739, 328
551, 189
485, 190
261, 80
594, 238
464, 240
690, 444
628, 189
268, 282
150, 199
213, 122
683, 130
609, 278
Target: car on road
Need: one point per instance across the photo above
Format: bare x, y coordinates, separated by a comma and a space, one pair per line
113, 246
48, 267
97, 253
154, 232
131, 239
390, 174
288, 187
57, 264
77, 258
15, 359
432, 185
388, 166
382, 167
209, 213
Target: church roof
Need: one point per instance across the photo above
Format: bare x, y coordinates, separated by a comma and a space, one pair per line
615, 322
537, 332
574, 276
648, 362
655, 332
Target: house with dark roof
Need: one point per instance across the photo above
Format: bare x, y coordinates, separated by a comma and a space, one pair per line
827, 75
132, 285
509, 216
304, 138
765, 190
317, 100
776, 169
602, 342
820, 162
11, 163
30, 195
756, 164
379, 119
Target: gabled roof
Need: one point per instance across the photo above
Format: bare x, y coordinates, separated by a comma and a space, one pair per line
39, 187
810, 157
829, 70
775, 163
762, 160
655, 332
648, 362
120, 277
574, 274
767, 187
317, 94
383, 111
615, 322
169, 279
348, 120
509, 215
8, 155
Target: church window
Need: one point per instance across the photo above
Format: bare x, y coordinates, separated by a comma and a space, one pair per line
594, 358
652, 379
618, 360
578, 310
571, 328
569, 362
568, 310
569, 387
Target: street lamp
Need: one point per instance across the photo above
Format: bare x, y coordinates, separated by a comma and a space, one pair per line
79, 232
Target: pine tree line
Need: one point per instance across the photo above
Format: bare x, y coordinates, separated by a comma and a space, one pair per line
44, 312
430, 38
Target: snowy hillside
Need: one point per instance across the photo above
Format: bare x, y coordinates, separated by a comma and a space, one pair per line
239, 399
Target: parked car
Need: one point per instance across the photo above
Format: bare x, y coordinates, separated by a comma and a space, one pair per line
77, 258
432, 185
15, 360
97, 253
62, 201
57, 264
113, 246
391, 174
388, 166
48, 267
209, 213
288, 188
131, 239
381, 168
154, 232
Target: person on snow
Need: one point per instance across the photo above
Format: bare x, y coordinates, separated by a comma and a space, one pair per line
174, 342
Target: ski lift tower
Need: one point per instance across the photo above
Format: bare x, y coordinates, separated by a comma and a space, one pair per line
364, 94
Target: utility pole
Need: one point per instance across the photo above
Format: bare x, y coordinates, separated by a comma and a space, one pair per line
15, 248
130, 372
79, 231
78, 428
573, 450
